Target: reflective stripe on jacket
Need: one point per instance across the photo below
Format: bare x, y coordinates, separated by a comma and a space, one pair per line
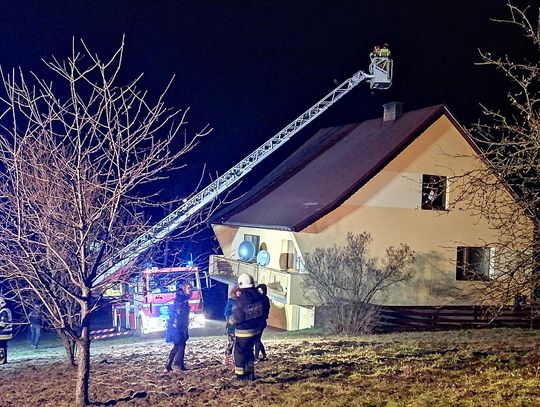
6, 331
247, 333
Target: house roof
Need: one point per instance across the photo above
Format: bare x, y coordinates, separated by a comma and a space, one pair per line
325, 171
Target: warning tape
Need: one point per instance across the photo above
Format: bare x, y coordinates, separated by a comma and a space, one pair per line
102, 331
109, 335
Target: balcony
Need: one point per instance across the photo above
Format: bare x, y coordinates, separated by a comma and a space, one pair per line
284, 287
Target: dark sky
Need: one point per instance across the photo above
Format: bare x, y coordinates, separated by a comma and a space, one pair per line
250, 67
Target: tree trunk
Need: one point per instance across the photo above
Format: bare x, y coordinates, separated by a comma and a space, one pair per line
69, 346
535, 296
83, 360
83, 371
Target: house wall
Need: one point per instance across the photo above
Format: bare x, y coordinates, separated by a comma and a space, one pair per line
225, 236
291, 311
291, 317
389, 207
230, 237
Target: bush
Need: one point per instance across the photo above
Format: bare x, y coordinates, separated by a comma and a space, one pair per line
344, 280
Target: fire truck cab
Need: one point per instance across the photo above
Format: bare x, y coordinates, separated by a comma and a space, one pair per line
143, 305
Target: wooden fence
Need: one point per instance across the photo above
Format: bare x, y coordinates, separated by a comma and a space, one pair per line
406, 318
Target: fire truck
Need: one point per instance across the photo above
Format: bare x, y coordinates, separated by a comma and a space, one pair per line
143, 304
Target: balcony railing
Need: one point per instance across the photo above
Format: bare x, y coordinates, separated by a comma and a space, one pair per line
283, 286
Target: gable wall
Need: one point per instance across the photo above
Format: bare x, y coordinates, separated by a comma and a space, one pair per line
388, 207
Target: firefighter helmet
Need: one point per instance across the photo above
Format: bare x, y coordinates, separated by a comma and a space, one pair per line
245, 281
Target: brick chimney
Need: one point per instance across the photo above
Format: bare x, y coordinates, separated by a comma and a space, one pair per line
392, 111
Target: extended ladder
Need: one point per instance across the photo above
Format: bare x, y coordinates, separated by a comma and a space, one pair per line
378, 79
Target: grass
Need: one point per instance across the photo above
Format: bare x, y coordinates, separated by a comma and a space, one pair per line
480, 368
461, 368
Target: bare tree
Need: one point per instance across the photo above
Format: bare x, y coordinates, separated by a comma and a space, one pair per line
345, 280
504, 187
77, 156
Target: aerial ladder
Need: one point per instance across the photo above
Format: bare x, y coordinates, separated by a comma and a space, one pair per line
379, 77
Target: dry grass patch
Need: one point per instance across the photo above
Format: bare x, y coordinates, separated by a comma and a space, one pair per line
466, 368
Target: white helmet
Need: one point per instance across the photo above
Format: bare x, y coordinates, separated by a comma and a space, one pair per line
245, 281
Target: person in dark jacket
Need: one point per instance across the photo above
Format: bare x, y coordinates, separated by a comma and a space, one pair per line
36, 324
231, 301
178, 327
247, 317
259, 346
6, 332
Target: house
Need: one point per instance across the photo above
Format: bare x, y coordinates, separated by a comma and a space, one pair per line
388, 176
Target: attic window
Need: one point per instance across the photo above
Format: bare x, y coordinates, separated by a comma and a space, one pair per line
433, 192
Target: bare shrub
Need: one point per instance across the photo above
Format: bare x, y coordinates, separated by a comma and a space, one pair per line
344, 280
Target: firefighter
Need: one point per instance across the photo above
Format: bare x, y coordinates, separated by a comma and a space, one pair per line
247, 316
6, 332
375, 52
178, 327
384, 51
259, 346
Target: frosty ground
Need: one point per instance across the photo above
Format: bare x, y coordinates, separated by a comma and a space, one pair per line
496, 367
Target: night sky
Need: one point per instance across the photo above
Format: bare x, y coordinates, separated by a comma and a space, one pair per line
248, 68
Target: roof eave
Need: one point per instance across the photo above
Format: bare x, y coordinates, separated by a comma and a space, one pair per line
256, 226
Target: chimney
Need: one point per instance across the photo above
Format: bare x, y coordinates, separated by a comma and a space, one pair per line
392, 111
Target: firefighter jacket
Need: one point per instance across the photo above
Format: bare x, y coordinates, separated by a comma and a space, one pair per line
384, 52
6, 332
178, 323
248, 313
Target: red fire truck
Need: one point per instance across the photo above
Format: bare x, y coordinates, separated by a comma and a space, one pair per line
143, 305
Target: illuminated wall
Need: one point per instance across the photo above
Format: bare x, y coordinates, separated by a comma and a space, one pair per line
389, 207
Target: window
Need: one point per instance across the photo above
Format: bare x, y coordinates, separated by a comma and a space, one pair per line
433, 192
255, 240
288, 255
473, 263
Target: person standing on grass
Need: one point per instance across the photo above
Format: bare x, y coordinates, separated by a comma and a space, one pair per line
247, 317
231, 301
36, 324
259, 346
178, 327
6, 330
